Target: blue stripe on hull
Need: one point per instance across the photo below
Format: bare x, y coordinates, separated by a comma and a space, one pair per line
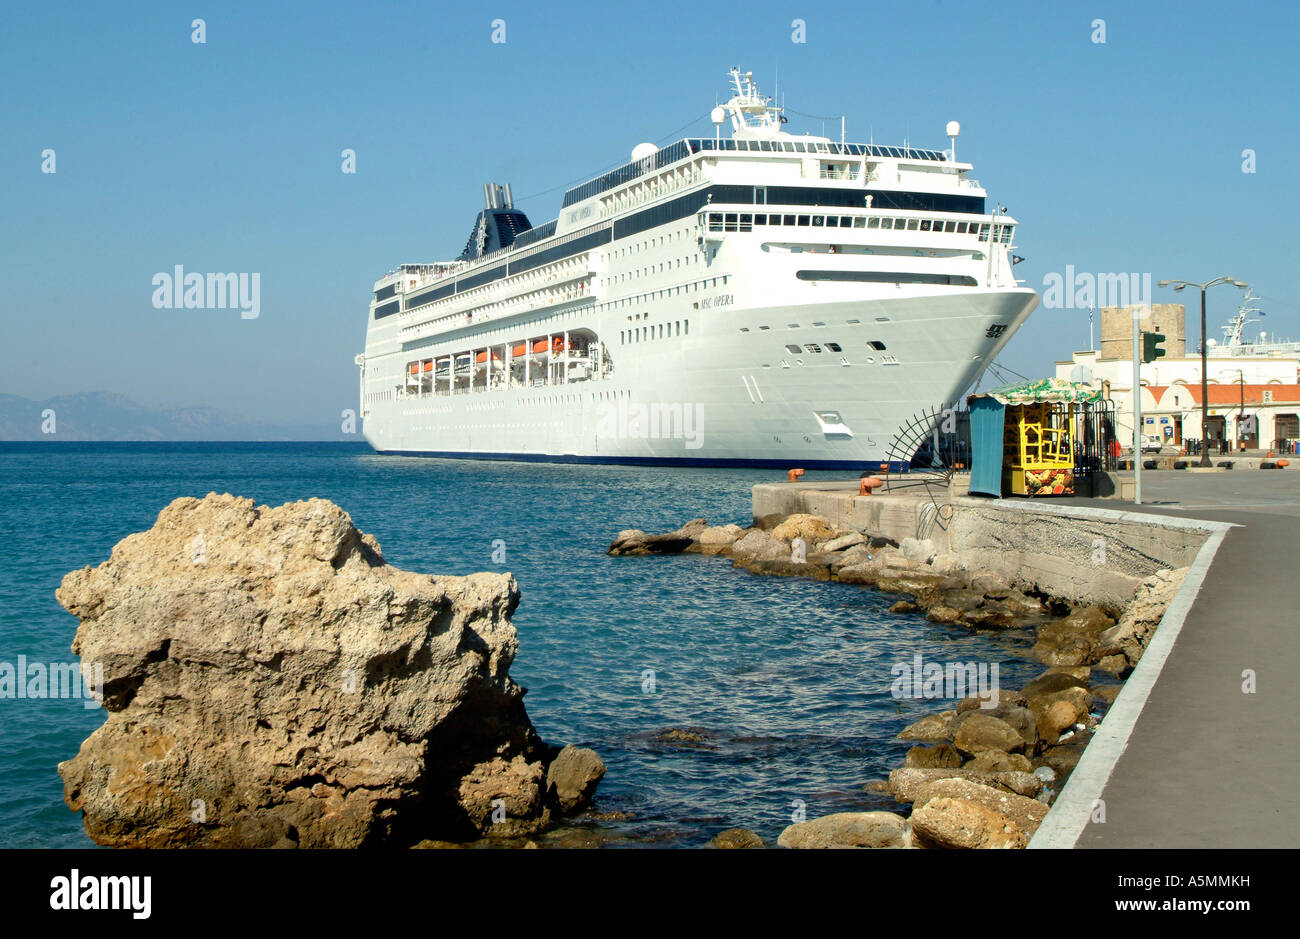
857, 465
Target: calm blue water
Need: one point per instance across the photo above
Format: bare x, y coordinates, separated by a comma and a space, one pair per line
790, 678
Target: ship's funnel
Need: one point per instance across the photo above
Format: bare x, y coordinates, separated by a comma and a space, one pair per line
497, 225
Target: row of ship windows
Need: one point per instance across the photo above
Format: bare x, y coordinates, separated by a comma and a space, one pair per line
816, 348
745, 221
658, 242
853, 322
675, 263
662, 331
698, 285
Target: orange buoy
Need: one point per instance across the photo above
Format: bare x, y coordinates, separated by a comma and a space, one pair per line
794, 475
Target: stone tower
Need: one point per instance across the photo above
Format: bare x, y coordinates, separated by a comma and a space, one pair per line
1167, 318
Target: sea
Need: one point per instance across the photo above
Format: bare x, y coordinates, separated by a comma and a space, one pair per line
787, 682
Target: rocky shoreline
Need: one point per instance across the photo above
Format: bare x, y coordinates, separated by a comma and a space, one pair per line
271, 682
981, 774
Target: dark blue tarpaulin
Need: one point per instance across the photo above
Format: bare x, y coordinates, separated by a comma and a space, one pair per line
987, 415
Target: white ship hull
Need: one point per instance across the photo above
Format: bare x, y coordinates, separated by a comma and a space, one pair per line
720, 397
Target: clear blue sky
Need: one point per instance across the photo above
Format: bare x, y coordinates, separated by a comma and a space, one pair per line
226, 156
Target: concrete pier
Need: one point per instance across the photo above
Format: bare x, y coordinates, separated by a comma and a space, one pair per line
1188, 755
1089, 553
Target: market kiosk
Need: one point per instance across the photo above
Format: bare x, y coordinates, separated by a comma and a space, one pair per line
1037, 438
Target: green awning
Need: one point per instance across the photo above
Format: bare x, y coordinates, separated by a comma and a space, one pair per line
1056, 390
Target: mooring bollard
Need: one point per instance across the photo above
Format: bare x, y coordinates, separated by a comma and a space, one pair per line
868, 483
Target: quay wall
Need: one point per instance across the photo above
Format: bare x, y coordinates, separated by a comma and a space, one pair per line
1083, 554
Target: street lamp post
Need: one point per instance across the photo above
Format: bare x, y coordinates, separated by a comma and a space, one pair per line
1205, 399
1241, 414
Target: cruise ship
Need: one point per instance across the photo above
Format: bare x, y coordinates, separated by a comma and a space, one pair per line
759, 298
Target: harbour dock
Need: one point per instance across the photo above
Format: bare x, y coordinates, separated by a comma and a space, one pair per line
1202, 723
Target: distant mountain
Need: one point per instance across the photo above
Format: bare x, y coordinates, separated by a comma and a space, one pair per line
101, 415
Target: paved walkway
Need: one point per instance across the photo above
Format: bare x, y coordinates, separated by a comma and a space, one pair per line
1206, 765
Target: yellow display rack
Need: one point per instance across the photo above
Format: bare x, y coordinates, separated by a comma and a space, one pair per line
1037, 451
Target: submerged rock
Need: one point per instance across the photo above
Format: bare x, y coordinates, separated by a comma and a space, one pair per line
681, 736
269, 680
735, 838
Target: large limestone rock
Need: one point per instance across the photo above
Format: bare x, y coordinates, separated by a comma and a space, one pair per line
995, 761
720, 535
1129, 637
849, 830
907, 783
1074, 639
812, 528
635, 542
844, 542
936, 756
574, 775
980, 731
931, 727
960, 823
1025, 813
758, 545
269, 680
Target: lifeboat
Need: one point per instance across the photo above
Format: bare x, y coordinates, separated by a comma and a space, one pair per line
415, 368
519, 350
540, 345
428, 366
482, 357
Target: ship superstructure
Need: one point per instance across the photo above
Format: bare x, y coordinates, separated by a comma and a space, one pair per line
759, 298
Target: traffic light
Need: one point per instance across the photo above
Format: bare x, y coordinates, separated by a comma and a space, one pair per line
1151, 346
